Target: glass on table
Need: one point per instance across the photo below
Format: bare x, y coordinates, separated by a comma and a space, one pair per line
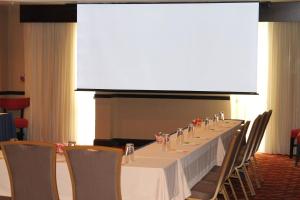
159, 137
129, 152
191, 130
216, 118
222, 115
180, 136
166, 142
206, 122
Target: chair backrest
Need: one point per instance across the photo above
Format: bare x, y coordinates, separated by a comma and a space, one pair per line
243, 133
256, 135
95, 172
228, 160
14, 104
31, 168
250, 142
267, 116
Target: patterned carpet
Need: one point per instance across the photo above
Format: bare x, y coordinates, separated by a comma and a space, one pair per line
281, 179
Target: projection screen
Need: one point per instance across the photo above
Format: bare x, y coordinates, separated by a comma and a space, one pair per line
173, 47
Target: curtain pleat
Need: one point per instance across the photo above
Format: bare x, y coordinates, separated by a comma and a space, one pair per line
50, 80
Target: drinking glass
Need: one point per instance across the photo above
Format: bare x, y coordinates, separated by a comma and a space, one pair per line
222, 116
216, 118
206, 122
159, 137
191, 130
166, 142
129, 152
180, 137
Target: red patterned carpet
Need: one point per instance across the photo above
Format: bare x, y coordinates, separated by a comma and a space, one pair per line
281, 178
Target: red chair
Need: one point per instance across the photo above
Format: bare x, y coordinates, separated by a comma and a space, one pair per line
294, 133
298, 149
18, 104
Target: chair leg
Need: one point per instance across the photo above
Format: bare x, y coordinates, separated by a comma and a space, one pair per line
297, 155
253, 167
224, 192
20, 135
232, 189
242, 184
292, 141
248, 180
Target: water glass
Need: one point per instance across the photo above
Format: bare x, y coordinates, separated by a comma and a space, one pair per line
166, 142
191, 130
159, 137
206, 122
216, 118
180, 136
222, 116
129, 152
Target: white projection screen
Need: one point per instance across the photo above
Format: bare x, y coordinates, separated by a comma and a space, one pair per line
172, 47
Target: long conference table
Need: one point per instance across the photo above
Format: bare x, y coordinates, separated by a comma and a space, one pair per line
156, 174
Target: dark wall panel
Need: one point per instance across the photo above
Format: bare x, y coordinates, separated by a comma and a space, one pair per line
279, 12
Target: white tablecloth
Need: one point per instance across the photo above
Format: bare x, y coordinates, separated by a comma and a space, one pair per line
155, 174
199, 154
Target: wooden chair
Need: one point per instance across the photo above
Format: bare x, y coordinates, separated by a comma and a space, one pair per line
95, 172
32, 170
17, 104
209, 189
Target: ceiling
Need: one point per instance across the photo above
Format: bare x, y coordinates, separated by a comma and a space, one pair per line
123, 1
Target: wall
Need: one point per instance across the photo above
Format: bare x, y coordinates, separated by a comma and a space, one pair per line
3, 45
142, 118
15, 62
11, 49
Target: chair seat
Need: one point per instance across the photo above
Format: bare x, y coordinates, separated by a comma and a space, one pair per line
295, 132
21, 123
203, 190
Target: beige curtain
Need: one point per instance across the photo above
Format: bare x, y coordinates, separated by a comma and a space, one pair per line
49, 71
283, 85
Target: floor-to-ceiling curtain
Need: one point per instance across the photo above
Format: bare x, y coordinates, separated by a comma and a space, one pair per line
50, 50
283, 85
